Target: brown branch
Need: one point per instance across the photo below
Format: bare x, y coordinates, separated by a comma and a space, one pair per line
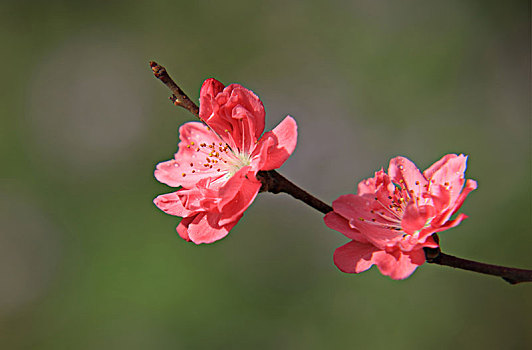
274, 182
179, 98
509, 274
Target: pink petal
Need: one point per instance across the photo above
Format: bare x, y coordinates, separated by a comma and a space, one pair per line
172, 204
341, 224
402, 170
200, 199
201, 229
430, 242
182, 228
188, 166
415, 217
399, 265
237, 195
348, 205
379, 185
469, 186
449, 173
441, 197
281, 142
247, 101
235, 113
168, 173
354, 257
259, 157
450, 224
356, 209
376, 235
209, 90
437, 165
425, 239
367, 186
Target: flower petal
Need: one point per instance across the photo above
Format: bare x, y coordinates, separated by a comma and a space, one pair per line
399, 265
449, 173
188, 166
341, 224
246, 105
182, 228
354, 257
357, 210
210, 89
416, 216
450, 224
280, 142
439, 164
469, 186
235, 113
237, 195
168, 173
380, 182
402, 170
441, 197
171, 203
202, 230
441, 219
348, 205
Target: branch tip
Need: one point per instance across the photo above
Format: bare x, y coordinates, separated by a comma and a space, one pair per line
179, 98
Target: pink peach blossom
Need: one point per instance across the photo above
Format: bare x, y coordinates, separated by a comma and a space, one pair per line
216, 164
393, 216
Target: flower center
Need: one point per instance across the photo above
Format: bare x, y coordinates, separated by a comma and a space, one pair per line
240, 160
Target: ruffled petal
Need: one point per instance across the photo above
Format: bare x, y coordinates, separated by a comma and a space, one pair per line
367, 186
209, 90
171, 203
202, 230
237, 195
354, 257
399, 265
247, 106
182, 228
280, 143
235, 113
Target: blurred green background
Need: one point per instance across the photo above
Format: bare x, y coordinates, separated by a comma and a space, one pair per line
88, 262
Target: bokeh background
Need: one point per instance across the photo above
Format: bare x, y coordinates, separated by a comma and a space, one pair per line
88, 262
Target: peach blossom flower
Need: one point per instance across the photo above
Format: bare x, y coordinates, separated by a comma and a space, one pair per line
393, 216
216, 164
